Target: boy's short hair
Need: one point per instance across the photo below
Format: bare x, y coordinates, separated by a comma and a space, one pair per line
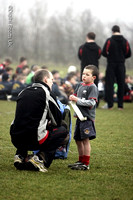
8, 60
94, 69
91, 35
70, 76
35, 68
127, 76
44, 67
22, 59
25, 67
7, 69
5, 77
115, 29
40, 74
54, 72
14, 76
21, 77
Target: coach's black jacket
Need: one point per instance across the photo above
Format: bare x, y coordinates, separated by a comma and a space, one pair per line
89, 53
36, 106
116, 49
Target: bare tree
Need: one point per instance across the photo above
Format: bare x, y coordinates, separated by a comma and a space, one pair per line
53, 39
3, 29
37, 28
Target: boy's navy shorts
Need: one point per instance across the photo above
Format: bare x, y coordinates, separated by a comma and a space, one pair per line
84, 129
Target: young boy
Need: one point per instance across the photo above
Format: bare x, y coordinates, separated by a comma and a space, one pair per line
85, 97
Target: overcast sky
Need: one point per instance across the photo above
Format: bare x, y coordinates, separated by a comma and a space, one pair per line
104, 10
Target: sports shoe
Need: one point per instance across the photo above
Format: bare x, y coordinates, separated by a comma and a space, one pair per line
105, 106
37, 164
75, 164
120, 108
19, 162
81, 167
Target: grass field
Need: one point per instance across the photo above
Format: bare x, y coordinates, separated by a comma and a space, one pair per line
111, 170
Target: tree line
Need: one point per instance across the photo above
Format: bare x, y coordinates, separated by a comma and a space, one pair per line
55, 38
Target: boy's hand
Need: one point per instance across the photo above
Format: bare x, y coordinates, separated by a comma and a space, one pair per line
73, 98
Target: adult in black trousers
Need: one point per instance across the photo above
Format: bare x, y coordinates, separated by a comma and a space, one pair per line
116, 49
37, 124
89, 53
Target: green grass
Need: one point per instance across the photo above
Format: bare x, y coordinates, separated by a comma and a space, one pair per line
111, 170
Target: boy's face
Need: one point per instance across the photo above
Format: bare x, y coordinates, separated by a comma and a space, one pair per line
56, 76
24, 62
87, 76
10, 72
73, 80
26, 71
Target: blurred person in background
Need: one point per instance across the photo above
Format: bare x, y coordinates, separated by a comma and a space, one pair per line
116, 49
5, 87
44, 67
29, 79
56, 87
128, 92
14, 78
17, 87
101, 88
3, 66
70, 84
89, 53
8, 71
25, 70
23, 62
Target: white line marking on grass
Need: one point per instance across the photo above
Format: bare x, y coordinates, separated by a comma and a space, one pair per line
8, 113
7, 147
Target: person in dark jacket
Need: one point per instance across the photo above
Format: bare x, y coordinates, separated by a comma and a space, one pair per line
17, 87
5, 87
23, 62
55, 87
128, 91
37, 124
116, 49
89, 53
4, 65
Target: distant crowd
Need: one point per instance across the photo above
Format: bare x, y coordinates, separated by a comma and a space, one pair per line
13, 82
